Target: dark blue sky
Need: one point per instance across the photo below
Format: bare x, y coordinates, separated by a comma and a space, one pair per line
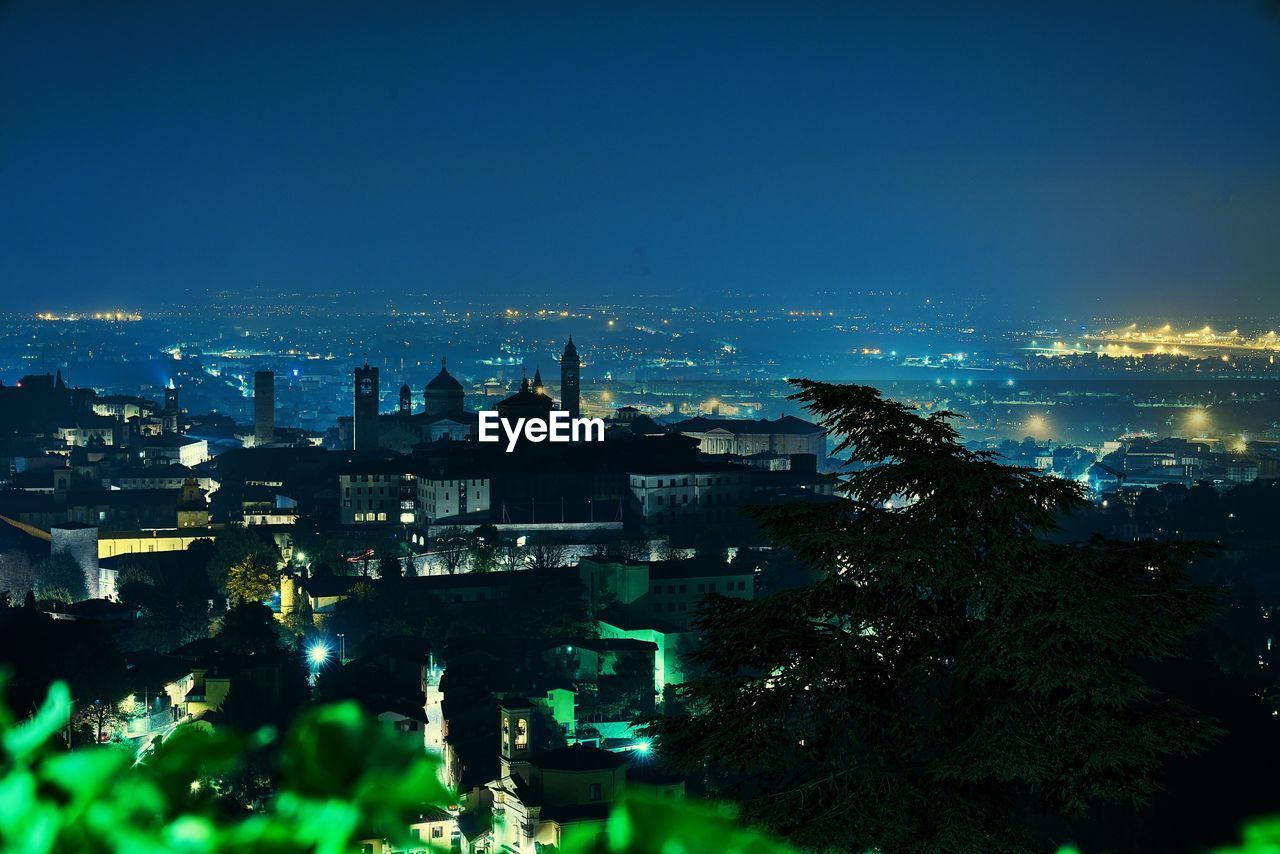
1084, 157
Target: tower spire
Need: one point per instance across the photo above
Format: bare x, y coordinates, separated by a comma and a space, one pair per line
570, 379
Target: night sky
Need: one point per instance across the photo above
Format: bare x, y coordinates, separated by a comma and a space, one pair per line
1077, 157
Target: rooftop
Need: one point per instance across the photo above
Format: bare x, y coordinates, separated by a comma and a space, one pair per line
579, 758
788, 424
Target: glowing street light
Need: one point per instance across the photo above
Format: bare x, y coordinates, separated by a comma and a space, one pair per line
1198, 419
318, 653
643, 747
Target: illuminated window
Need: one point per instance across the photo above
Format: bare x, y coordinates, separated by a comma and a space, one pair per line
522, 734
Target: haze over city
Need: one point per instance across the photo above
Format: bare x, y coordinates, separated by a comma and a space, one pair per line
1034, 158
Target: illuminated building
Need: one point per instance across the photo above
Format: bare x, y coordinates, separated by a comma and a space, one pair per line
372, 491
169, 449
540, 796
80, 542
744, 437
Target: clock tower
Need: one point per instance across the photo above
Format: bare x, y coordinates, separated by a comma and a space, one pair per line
570, 365
365, 421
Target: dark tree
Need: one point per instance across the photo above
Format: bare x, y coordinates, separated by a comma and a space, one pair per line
545, 556
60, 577
390, 566
248, 628
238, 546
953, 672
37, 650
451, 548
17, 572
173, 600
709, 543
483, 548
268, 678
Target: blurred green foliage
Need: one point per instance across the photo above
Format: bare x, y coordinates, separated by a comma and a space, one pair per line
1260, 837
646, 825
343, 779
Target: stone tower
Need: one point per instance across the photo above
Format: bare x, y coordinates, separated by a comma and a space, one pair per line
364, 424
570, 394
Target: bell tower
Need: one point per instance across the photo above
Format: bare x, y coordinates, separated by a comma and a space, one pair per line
171, 415
517, 746
365, 417
570, 366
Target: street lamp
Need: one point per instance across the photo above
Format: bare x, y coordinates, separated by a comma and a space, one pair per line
318, 653
342, 655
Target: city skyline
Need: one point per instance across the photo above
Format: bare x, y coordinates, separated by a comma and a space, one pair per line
721, 426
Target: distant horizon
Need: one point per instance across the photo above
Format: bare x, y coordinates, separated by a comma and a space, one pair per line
369, 303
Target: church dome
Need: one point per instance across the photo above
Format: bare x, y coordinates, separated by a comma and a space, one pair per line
444, 380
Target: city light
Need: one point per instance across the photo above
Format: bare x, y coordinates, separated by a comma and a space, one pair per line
318, 653
642, 747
